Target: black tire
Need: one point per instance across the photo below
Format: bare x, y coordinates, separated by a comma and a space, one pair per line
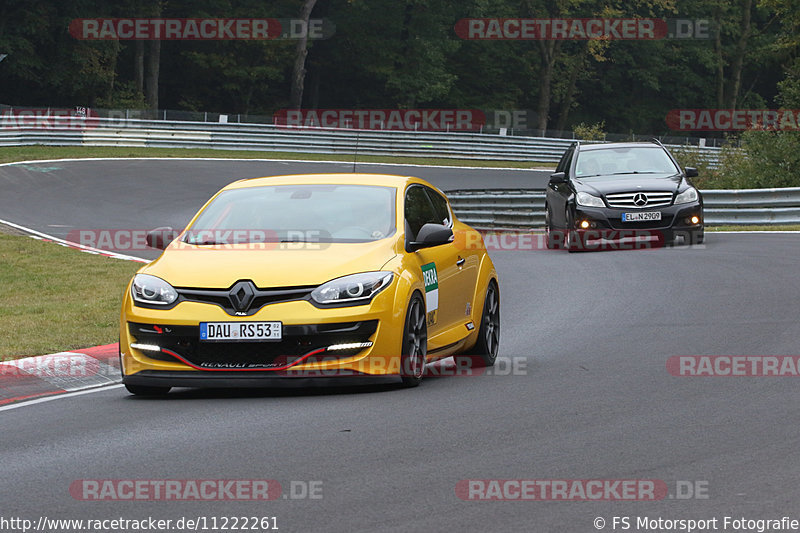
484, 353
143, 390
553, 240
415, 343
571, 237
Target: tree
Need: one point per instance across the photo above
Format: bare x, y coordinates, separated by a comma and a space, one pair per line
301, 51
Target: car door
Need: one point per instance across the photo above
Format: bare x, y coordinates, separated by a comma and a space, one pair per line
438, 263
558, 193
467, 262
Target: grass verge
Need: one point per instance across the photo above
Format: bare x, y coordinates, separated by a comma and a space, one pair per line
31, 153
55, 299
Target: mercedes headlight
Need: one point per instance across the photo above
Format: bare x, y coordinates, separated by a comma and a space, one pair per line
354, 289
589, 200
150, 290
689, 195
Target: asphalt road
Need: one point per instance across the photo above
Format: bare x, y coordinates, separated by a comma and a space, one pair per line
589, 336
59, 197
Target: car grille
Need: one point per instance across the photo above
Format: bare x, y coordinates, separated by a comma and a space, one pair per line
297, 341
628, 200
261, 297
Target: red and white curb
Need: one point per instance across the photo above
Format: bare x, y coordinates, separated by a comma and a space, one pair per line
46, 375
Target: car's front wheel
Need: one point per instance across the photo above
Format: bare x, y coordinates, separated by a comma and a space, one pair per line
415, 343
551, 237
572, 240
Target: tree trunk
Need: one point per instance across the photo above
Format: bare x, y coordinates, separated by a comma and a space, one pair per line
720, 81
138, 65
738, 60
549, 51
301, 51
569, 95
153, 59
153, 66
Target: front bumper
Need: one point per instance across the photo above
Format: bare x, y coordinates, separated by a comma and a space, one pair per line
307, 333
607, 223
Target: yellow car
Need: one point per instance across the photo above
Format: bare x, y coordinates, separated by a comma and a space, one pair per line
313, 275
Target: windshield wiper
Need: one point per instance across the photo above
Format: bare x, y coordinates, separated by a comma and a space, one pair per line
634, 172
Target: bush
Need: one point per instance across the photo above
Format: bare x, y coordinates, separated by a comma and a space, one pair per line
691, 156
593, 132
766, 159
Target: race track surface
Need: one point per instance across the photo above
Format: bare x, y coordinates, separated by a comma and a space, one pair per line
582, 391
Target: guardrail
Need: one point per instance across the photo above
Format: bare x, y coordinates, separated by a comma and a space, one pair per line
524, 209
72, 131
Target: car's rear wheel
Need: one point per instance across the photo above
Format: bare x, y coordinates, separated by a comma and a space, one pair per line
415, 343
143, 390
485, 351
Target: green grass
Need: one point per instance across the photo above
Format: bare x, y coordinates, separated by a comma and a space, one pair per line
31, 153
56, 299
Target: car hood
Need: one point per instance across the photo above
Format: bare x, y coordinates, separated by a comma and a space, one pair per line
628, 183
185, 265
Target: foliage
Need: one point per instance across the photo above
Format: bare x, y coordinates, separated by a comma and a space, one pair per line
766, 159
406, 53
590, 132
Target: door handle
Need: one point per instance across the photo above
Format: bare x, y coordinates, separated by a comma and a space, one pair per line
460, 262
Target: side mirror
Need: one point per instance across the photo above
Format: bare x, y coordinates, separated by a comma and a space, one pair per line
558, 177
691, 172
431, 235
160, 237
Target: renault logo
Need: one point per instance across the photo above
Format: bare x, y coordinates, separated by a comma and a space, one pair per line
241, 295
640, 199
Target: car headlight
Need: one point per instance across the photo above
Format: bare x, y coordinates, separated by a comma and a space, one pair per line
589, 200
689, 195
353, 289
150, 290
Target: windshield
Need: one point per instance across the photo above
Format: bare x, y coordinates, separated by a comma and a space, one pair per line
297, 213
624, 161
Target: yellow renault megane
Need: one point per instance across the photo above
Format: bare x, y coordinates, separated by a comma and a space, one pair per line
313, 275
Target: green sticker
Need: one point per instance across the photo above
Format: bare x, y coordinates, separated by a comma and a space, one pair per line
430, 277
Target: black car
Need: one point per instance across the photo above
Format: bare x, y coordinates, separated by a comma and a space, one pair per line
613, 192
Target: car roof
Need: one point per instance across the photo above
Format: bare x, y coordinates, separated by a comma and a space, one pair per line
385, 180
602, 146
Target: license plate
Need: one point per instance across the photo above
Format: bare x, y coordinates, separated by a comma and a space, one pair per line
642, 216
240, 331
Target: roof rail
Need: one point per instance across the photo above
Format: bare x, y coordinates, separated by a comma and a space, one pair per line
657, 141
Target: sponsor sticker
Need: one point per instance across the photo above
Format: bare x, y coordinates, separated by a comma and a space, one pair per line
431, 279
